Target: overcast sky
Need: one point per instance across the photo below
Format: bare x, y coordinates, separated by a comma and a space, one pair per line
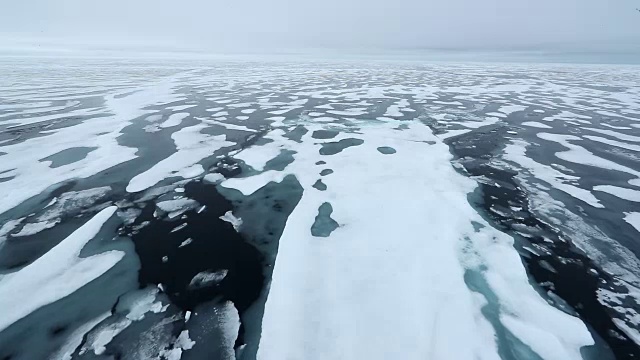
218, 26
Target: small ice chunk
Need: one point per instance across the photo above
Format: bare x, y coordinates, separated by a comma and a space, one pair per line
620, 192
207, 278
230, 218
185, 243
179, 227
183, 341
178, 204
629, 331
214, 178
129, 216
141, 303
8, 227
100, 338
33, 228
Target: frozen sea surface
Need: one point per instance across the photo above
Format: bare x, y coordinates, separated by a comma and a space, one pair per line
318, 210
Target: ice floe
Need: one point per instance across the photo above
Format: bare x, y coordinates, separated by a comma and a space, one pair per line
311, 314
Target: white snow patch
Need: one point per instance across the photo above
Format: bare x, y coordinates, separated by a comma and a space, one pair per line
619, 144
536, 124
33, 228
633, 218
616, 127
258, 161
579, 155
515, 152
180, 107
101, 337
183, 341
615, 134
8, 227
508, 109
622, 193
452, 133
348, 112
144, 303
633, 334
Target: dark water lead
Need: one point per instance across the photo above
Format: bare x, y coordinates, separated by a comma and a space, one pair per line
217, 264
324, 225
264, 214
566, 274
202, 261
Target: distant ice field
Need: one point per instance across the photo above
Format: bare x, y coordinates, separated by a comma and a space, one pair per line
318, 210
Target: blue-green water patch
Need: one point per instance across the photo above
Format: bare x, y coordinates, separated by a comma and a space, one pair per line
324, 225
320, 185
332, 148
68, 156
386, 150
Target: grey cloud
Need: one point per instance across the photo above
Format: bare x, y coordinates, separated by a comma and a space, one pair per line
249, 24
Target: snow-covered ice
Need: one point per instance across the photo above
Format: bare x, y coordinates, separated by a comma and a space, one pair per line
329, 299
